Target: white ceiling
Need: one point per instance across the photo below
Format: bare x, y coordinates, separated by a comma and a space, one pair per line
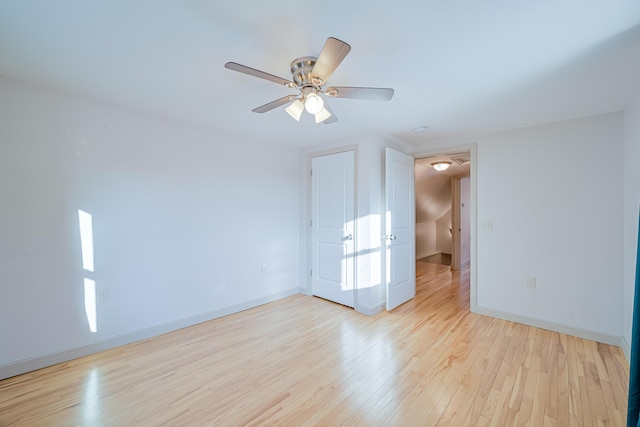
461, 67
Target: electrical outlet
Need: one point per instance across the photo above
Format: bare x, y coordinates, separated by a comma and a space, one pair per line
487, 226
531, 282
104, 295
264, 268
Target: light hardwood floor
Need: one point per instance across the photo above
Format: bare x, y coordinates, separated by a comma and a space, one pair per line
306, 361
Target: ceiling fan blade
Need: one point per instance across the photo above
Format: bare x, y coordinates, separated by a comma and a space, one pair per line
333, 117
330, 57
257, 73
274, 104
369, 93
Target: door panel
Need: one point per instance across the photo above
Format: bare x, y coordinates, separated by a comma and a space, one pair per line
328, 269
333, 214
402, 270
399, 228
332, 191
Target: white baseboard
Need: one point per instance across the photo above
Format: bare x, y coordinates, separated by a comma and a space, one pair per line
551, 326
304, 291
428, 254
28, 365
626, 349
369, 311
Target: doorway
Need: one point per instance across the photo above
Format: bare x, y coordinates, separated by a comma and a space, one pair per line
462, 173
443, 209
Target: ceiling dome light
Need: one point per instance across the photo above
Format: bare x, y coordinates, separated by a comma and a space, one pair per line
313, 103
441, 165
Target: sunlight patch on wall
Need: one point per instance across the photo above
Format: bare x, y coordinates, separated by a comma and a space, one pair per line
86, 239
368, 252
90, 304
85, 221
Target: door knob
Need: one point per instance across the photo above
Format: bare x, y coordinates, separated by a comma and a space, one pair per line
390, 237
348, 237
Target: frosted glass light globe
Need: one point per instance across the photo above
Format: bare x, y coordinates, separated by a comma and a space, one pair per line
313, 103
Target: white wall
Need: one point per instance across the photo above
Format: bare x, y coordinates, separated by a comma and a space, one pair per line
443, 233
631, 208
426, 239
556, 215
184, 217
554, 196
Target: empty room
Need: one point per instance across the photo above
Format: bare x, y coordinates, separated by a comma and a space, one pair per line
279, 213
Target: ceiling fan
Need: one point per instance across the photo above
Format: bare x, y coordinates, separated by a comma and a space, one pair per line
309, 76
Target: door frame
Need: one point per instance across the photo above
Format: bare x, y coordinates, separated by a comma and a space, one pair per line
456, 201
473, 265
308, 262
455, 223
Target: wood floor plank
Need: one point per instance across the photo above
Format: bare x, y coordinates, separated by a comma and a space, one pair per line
306, 361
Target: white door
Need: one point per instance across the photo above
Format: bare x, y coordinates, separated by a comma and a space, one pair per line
465, 221
332, 223
399, 228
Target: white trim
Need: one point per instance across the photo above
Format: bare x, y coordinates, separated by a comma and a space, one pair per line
554, 327
28, 365
304, 291
369, 311
626, 348
390, 139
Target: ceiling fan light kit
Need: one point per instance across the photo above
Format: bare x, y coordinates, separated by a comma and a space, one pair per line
322, 115
295, 109
313, 104
309, 74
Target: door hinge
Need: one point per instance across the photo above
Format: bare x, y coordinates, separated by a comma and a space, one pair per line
310, 223
310, 172
311, 273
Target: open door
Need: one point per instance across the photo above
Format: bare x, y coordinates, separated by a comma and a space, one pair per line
332, 222
399, 228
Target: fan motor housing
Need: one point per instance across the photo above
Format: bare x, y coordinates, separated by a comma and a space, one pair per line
301, 71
